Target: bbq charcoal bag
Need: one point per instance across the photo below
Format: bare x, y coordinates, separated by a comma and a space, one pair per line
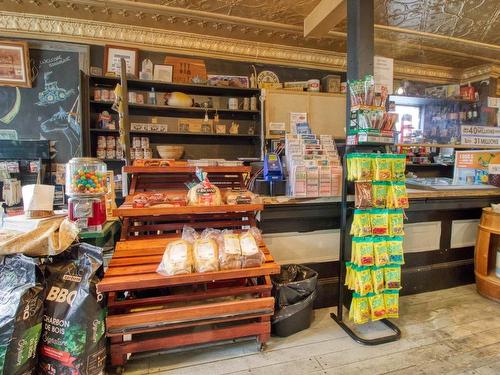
21, 308
73, 337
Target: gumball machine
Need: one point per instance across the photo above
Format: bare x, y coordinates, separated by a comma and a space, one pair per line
86, 187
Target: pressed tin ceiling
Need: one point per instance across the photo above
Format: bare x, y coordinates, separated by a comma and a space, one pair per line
453, 33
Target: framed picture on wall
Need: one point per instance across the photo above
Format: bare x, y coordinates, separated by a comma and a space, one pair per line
14, 64
113, 56
163, 73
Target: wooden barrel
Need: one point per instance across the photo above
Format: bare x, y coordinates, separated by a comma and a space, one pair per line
488, 240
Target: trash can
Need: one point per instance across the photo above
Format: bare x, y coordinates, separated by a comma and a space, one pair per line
294, 290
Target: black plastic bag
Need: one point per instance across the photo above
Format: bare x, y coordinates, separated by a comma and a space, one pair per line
73, 340
21, 308
293, 284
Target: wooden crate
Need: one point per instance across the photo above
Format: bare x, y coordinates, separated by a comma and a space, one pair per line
221, 305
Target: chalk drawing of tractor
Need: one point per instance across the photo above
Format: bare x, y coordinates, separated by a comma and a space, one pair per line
52, 93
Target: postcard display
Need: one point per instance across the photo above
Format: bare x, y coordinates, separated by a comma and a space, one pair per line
373, 272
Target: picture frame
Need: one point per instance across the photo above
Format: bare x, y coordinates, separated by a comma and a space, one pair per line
15, 64
221, 80
112, 58
163, 72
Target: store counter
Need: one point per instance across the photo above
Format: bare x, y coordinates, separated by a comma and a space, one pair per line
439, 243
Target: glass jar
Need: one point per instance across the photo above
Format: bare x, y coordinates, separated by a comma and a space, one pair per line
85, 177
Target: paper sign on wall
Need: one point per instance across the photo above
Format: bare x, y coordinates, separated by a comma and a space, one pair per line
383, 73
477, 135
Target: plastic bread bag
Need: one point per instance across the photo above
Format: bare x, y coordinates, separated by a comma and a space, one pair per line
205, 255
377, 306
204, 193
395, 250
251, 254
177, 259
229, 250
239, 197
396, 224
391, 299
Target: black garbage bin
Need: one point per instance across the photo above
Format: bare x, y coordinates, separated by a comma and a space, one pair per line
295, 291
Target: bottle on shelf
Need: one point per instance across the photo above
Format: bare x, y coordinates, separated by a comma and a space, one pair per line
152, 96
474, 112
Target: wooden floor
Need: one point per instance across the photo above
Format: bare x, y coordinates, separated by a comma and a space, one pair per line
453, 331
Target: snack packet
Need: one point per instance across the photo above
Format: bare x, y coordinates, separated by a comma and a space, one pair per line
364, 276
392, 276
380, 252
251, 254
229, 250
398, 197
378, 279
395, 250
359, 311
361, 225
382, 168
380, 192
363, 194
396, 224
351, 167
391, 299
177, 259
364, 167
379, 219
398, 167
377, 306
364, 247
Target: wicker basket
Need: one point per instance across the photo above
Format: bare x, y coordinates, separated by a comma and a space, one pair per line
170, 152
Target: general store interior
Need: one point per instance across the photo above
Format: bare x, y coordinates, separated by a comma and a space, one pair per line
229, 187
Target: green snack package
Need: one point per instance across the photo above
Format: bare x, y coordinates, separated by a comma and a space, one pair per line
365, 167
391, 299
395, 250
377, 306
398, 197
379, 219
396, 224
382, 165
380, 192
359, 312
364, 252
392, 275
361, 224
364, 277
351, 167
398, 167
380, 252
348, 274
378, 279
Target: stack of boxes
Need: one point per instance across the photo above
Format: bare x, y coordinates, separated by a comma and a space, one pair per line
313, 166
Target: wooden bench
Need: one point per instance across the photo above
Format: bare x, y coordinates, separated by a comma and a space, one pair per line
148, 311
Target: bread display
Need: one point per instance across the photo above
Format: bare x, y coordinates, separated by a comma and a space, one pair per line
177, 259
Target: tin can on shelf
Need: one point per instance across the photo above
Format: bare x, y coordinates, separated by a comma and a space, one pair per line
105, 95
101, 153
148, 153
110, 142
136, 142
144, 142
110, 153
132, 97
97, 94
112, 95
119, 150
253, 103
138, 153
233, 104
139, 98
101, 141
313, 85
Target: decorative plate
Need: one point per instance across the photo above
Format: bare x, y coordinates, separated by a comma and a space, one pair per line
267, 76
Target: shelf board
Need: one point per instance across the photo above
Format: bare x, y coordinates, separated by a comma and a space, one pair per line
95, 130
187, 169
416, 100
127, 210
195, 134
159, 86
429, 165
440, 145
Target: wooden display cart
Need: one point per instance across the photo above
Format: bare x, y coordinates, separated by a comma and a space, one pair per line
488, 240
149, 311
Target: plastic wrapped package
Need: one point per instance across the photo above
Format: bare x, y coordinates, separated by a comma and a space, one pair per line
239, 197
363, 194
177, 259
251, 254
204, 194
229, 250
205, 251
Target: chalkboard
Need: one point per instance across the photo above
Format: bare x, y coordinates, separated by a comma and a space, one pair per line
50, 109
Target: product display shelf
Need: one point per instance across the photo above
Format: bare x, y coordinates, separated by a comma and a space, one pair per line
439, 145
168, 312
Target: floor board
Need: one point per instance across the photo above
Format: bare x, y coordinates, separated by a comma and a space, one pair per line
453, 331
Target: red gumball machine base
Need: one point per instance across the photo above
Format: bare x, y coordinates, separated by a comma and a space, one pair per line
89, 213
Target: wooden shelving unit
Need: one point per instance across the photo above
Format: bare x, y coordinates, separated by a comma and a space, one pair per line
185, 309
439, 145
